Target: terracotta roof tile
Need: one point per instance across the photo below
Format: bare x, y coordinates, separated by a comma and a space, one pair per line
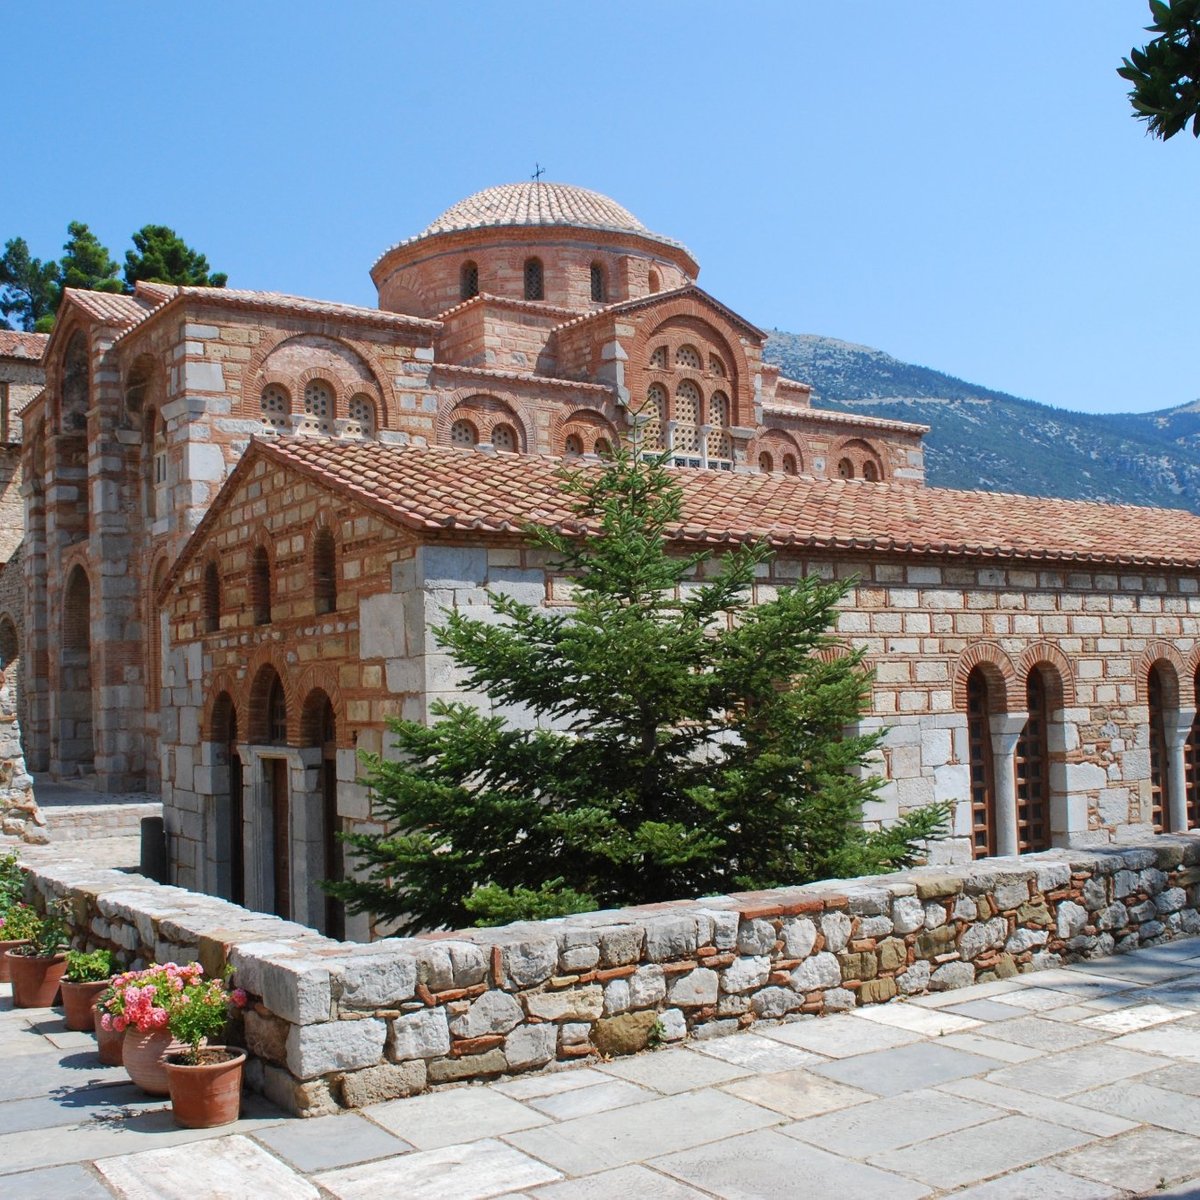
836, 417
431, 489
15, 344
110, 308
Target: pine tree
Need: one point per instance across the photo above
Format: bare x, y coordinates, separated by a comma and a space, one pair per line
29, 291
85, 263
687, 741
160, 255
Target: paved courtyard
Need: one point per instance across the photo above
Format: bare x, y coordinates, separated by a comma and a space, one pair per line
1074, 1084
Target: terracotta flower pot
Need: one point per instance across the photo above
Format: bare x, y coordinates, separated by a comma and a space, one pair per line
208, 1094
142, 1056
35, 980
109, 1042
5, 947
77, 999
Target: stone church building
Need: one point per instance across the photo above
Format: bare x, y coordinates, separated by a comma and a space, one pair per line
246, 509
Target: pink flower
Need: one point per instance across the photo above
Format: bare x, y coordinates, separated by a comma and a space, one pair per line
239, 997
106, 1023
119, 1024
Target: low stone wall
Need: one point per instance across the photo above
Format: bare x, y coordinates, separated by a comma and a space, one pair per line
83, 822
335, 1025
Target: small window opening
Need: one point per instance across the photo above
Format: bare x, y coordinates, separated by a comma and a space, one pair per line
277, 714
655, 282
276, 407
462, 433
212, 598
765, 463
597, 284
602, 448
260, 587
468, 284
573, 444
362, 414
504, 439
870, 472
789, 464
534, 281
324, 572
845, 469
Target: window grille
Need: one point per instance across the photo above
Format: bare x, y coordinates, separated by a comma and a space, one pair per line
765, 463
275, 407
687, 418
658, 360
654, 431
504, 439
716, 366
277, 714
689, 357
1160, 799
462, 433
573, 444
597, 283
979, 748
845, 469
362, 414
789, 465
870, 472
1033, 770
720, 445
1191, 759
468, 281
534, 280
602, 448
318, 407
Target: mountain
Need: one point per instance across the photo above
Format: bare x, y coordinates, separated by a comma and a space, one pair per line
992, 441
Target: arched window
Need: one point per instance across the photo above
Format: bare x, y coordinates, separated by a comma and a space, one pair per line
76, 385
655, 284
716, 366
362, 413
602, 448
688, 357
212, 598
504, 439
982, 766
720, 443
463, 433
468, 281
276, 407
276, 713
597, 283
324, 572
1033, 770
573, 444
687, 417
845, 469
318, 406
260, 586
75, 718
789, 465
870, 472
654, 431
658, 359
158, 491
1160, 798
534, 279
765, 463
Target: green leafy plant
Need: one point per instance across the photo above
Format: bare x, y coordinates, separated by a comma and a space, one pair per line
200, 1011
684, 740
12, 881
49, 937
89, 967
19, 923
1165, 72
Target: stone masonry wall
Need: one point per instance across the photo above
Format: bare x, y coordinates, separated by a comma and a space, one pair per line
336, 1026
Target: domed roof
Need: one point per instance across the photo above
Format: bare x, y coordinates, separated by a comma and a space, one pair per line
538, 203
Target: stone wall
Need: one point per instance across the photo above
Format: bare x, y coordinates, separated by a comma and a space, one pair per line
336, 1026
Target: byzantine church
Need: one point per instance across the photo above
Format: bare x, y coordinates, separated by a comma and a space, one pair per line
246, 510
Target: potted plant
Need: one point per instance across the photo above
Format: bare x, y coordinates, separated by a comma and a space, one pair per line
87, 976
138, 1009
38, 966
205, 1080
12, 888
110, 1042
17, 925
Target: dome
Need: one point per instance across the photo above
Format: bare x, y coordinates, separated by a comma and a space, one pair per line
538, 203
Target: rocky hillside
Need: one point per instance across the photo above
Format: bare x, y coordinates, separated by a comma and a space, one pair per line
986, 439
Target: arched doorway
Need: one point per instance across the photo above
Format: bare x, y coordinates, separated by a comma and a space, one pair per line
76, 746
984, 822
1033, 767
1160, 792
230, 802
268, 721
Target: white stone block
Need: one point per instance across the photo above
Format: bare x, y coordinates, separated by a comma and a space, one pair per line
203, 377
314, 1050
423, 1034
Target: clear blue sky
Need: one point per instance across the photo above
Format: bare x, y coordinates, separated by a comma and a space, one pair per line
959, 184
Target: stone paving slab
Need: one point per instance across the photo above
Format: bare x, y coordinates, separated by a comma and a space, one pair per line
1072, 1084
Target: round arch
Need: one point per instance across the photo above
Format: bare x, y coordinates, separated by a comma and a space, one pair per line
998, 670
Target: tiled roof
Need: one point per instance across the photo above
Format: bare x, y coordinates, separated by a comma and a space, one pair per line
537, 203
14, 344
830, 416
656, 298
110, 308
573, 385
447, 490
280, 302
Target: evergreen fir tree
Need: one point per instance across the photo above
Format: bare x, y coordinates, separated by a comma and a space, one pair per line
688, 741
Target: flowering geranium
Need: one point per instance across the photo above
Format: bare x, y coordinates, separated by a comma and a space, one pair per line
143, 999
201, 1010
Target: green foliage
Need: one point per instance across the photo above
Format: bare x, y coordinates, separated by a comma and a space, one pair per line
29, 289
1165, 72
89, 968
12, 881
689, 742
19, 923
85, 262
200, 1011
160, 255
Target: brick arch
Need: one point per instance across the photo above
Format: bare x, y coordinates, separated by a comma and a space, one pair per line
457, 404
256, 688
1192, 670
859, 450
314, 679
1046, 654
589, 421
72, 329
143, 390
223, 683
1003, 682
257, 375
777, 443
1161, 654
